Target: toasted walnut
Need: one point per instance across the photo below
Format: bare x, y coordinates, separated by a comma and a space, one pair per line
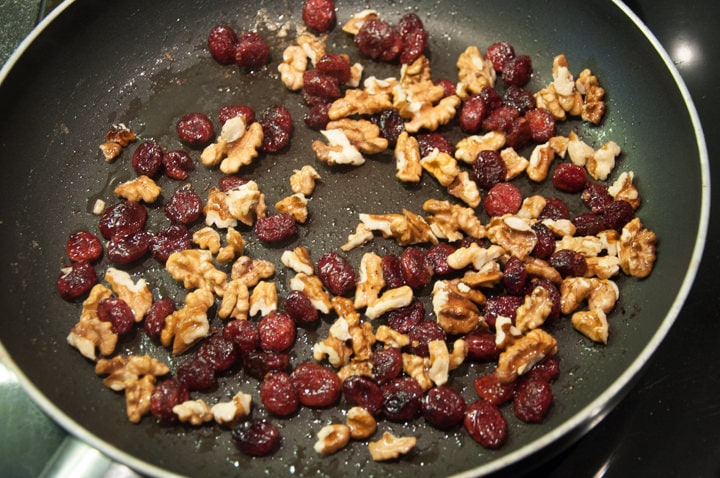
487, 276
356, 368
636, 249
194, 412
539, 268
363, 134
390, 447
339, 150
441, 166
559, 144
332, 438
407, 159
292, 67
207, 238
413, 93
235, 300
523, 353
98, 207
246, 203
468, 148
465, 189
116, 138
531, 207
514, 163
229, 413
610, 239
139, 189
474, 72
353, 25
458, 354
623, 189
360, 422
370, 281
298, 260
439, 362
547, 98
295, 205
600, 294
302, 181
455, 306
589, 246
136, 294
578, 150
505, 332
337, 352
251, 271
359, 102
475, 255
407, 228
568, 96
242, 151
417, 367
602, 267
233, 129
593, 107
187, 326
313, 46
390, 300
93, 334
535, 310
451, 221
216, 210
137, 398
431, 117
89, 306
417, 72
235, 246
601, 164
391, 337
313, 288
264, 298
560, 227
195, 269
214, 153
122, 370
592, 324
361, 236
539, 165
513, 234
362, 339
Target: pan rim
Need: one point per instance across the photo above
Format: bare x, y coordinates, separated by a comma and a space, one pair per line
571, 429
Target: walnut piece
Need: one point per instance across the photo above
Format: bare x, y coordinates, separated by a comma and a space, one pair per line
292, 67
523, 353
407, 159
390, 447
136, 294
264, 298
602, 162
539, 165
217, 210
623, 189
313, 46
514, 163
337, 352
251, 271
391, 337
353, 25
407, 228
117, 137
361, 236
245, 203
332, 438
93, 334
370, 280
339, 149
513, 234
295, 205
360, 422
417, 367
475, 255
474, 72
454, 307
194, 412
465, 189
302, 181
229, 413
313, 288
188, 325
468, 148
89, 306
636, 249
242, 151
592, 324
391, 299
195, 269
451, 221
361, 101
122, 370
362, 134
138, 396
432, 117
235, 300
207, 238
298, 260
535, 309
235, 246
139, 189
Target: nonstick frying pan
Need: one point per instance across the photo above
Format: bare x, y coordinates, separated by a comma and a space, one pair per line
146, 64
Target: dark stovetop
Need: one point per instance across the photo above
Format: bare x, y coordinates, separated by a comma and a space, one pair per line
668, 424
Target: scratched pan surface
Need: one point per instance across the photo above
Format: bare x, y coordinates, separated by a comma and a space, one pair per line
146, 64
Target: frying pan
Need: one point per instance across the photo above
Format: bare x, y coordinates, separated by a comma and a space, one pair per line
146, 64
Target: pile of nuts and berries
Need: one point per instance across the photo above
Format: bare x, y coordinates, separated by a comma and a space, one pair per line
494, 285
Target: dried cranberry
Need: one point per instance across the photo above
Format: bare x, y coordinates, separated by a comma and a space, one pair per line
500, 118
414, 38
177, 164
165, 396
499, 53
363, 392
406, 318
519, 133
547, 369
415, 268
147, 159
431, 141
552, 291
491, 389
568, 262
83, 246
196, 374
277, 126
481, 346
227, 183
319, 15
231, 111
443, 407
184, 207
518, 98
489, 169
502, 305
317, 385
336, 66
392, 272
317, 116
448, 86
319, 85
517, 71
195, 129
128, 248
485, 424
437, 258
588, 224
279, 395
468, 241
251, 50
299, 307
542, 124
401, 399
256, 437
387, 364
243, 333
277, 332
492, 98
514, 276
336, 274
174, 238
257, 363
221, 43
555, 208
377, 40
596, 197
422, 334
532, 401
617, 214
503, 198
118, 313
569, 177
472, 114
275, 228
545, 241
391, 124
218, 352
154, 321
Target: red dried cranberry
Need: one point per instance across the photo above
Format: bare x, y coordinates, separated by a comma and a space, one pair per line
336, 274
363, 392
500, 118
555, 208
165, 396
317, 116
128, 248
472, 114
468, 241
414, 38
177, 164
406, 318
532, 401
485, 424
481, 346
256, 437
391, 124
401, 399
437, 258
118, 313
196, 374
184, 207
319, 15
174, 238
122, 218
243, 333
491, 389
517, 71
317, 385
547, 369
227, 183
443, 407
392, 272
518, 98
257, 363
299, 307
518, 134
489, 169
275, 228
277, 332
552, 291
448, 86
231, 111
336, 66
568, 262
154, 321
221, 43
499, 53
422, 334
431, 141
377, 40
195, 129
277, 126
218, 352
542, 124
319, 85
588, 224
387, 364
83, 246
502, 305
617, 214
503, 198
596, 197
147, 159
492, 98
569, 177
545, 245
278, 394
415, 268
514, 276
251, 51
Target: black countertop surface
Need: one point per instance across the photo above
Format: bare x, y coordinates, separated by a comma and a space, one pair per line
668, 424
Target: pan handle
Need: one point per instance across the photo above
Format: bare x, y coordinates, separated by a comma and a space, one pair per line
75, 458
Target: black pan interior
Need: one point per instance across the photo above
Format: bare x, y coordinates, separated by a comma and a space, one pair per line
146, 64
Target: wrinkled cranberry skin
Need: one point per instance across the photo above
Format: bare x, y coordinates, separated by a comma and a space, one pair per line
165, 396
596, 197
256, 437
617, 214
492, 98
218, 352
401, 399
195, 129
222, 41
122, 218
568, 262
387, 364
491, 389
485, 424
533, 399
174, 238
244, 334
184, 207
443, 407
277, 332
300, 309
415, 268
414, 38
514, 276
276, 123
545, 245
472, 114
481, 346
390, 123
363, 392
231, 111
129, 248
569, 177
489, 169
500, 118
499, 53
319, 15
278, 394
517, 71
377, 40
502, 305
429, 141
118, 313
555, 208
257, 363
336, 66
177, 164
336, 274
251, 50
227, 183
319, 85
406, 318
437, 258
588, 224
422, 334
448, 86
503, 198
317, 116
519, 133
147, 159
542, 124
155, 318
520, 99
392, 272
318, 386
196, 374
275, 228
83, 246
548, 369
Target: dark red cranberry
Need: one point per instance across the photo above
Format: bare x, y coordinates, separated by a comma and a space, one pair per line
231, 111
377, 40
502, 305
443, 407
617, 214
256, 437
319, 15
317, 385
414, 38
533, 399
428, 142
251, 51
401, 399
555, 208
154, 320
596, 197
147, 159
492, 98
363, 392
300, 309
277, 332
422, 334
499, 53
276, 122
437, 258
481, 346
503, 198
195, 129
227, 183
518, 98
406, 318
319, 85
83, 246
552, 291
517, 71
196, 374
219, 352
221, 43
257, 363
545, 245
336, 274
243, 333
185, 206
317, 117
542, 124
547, 369
472, 114
491, 389
165, 396
568, 262
485, 424
392, 272
415, 268
335, 65
448, 86
489, 169
118, 313
500, 118
391, 124
278, 394
468, 241
569, 177
276, 227
177, 164
128, 248
387, 364
588, 224
519, 133
174, 238
514, 276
